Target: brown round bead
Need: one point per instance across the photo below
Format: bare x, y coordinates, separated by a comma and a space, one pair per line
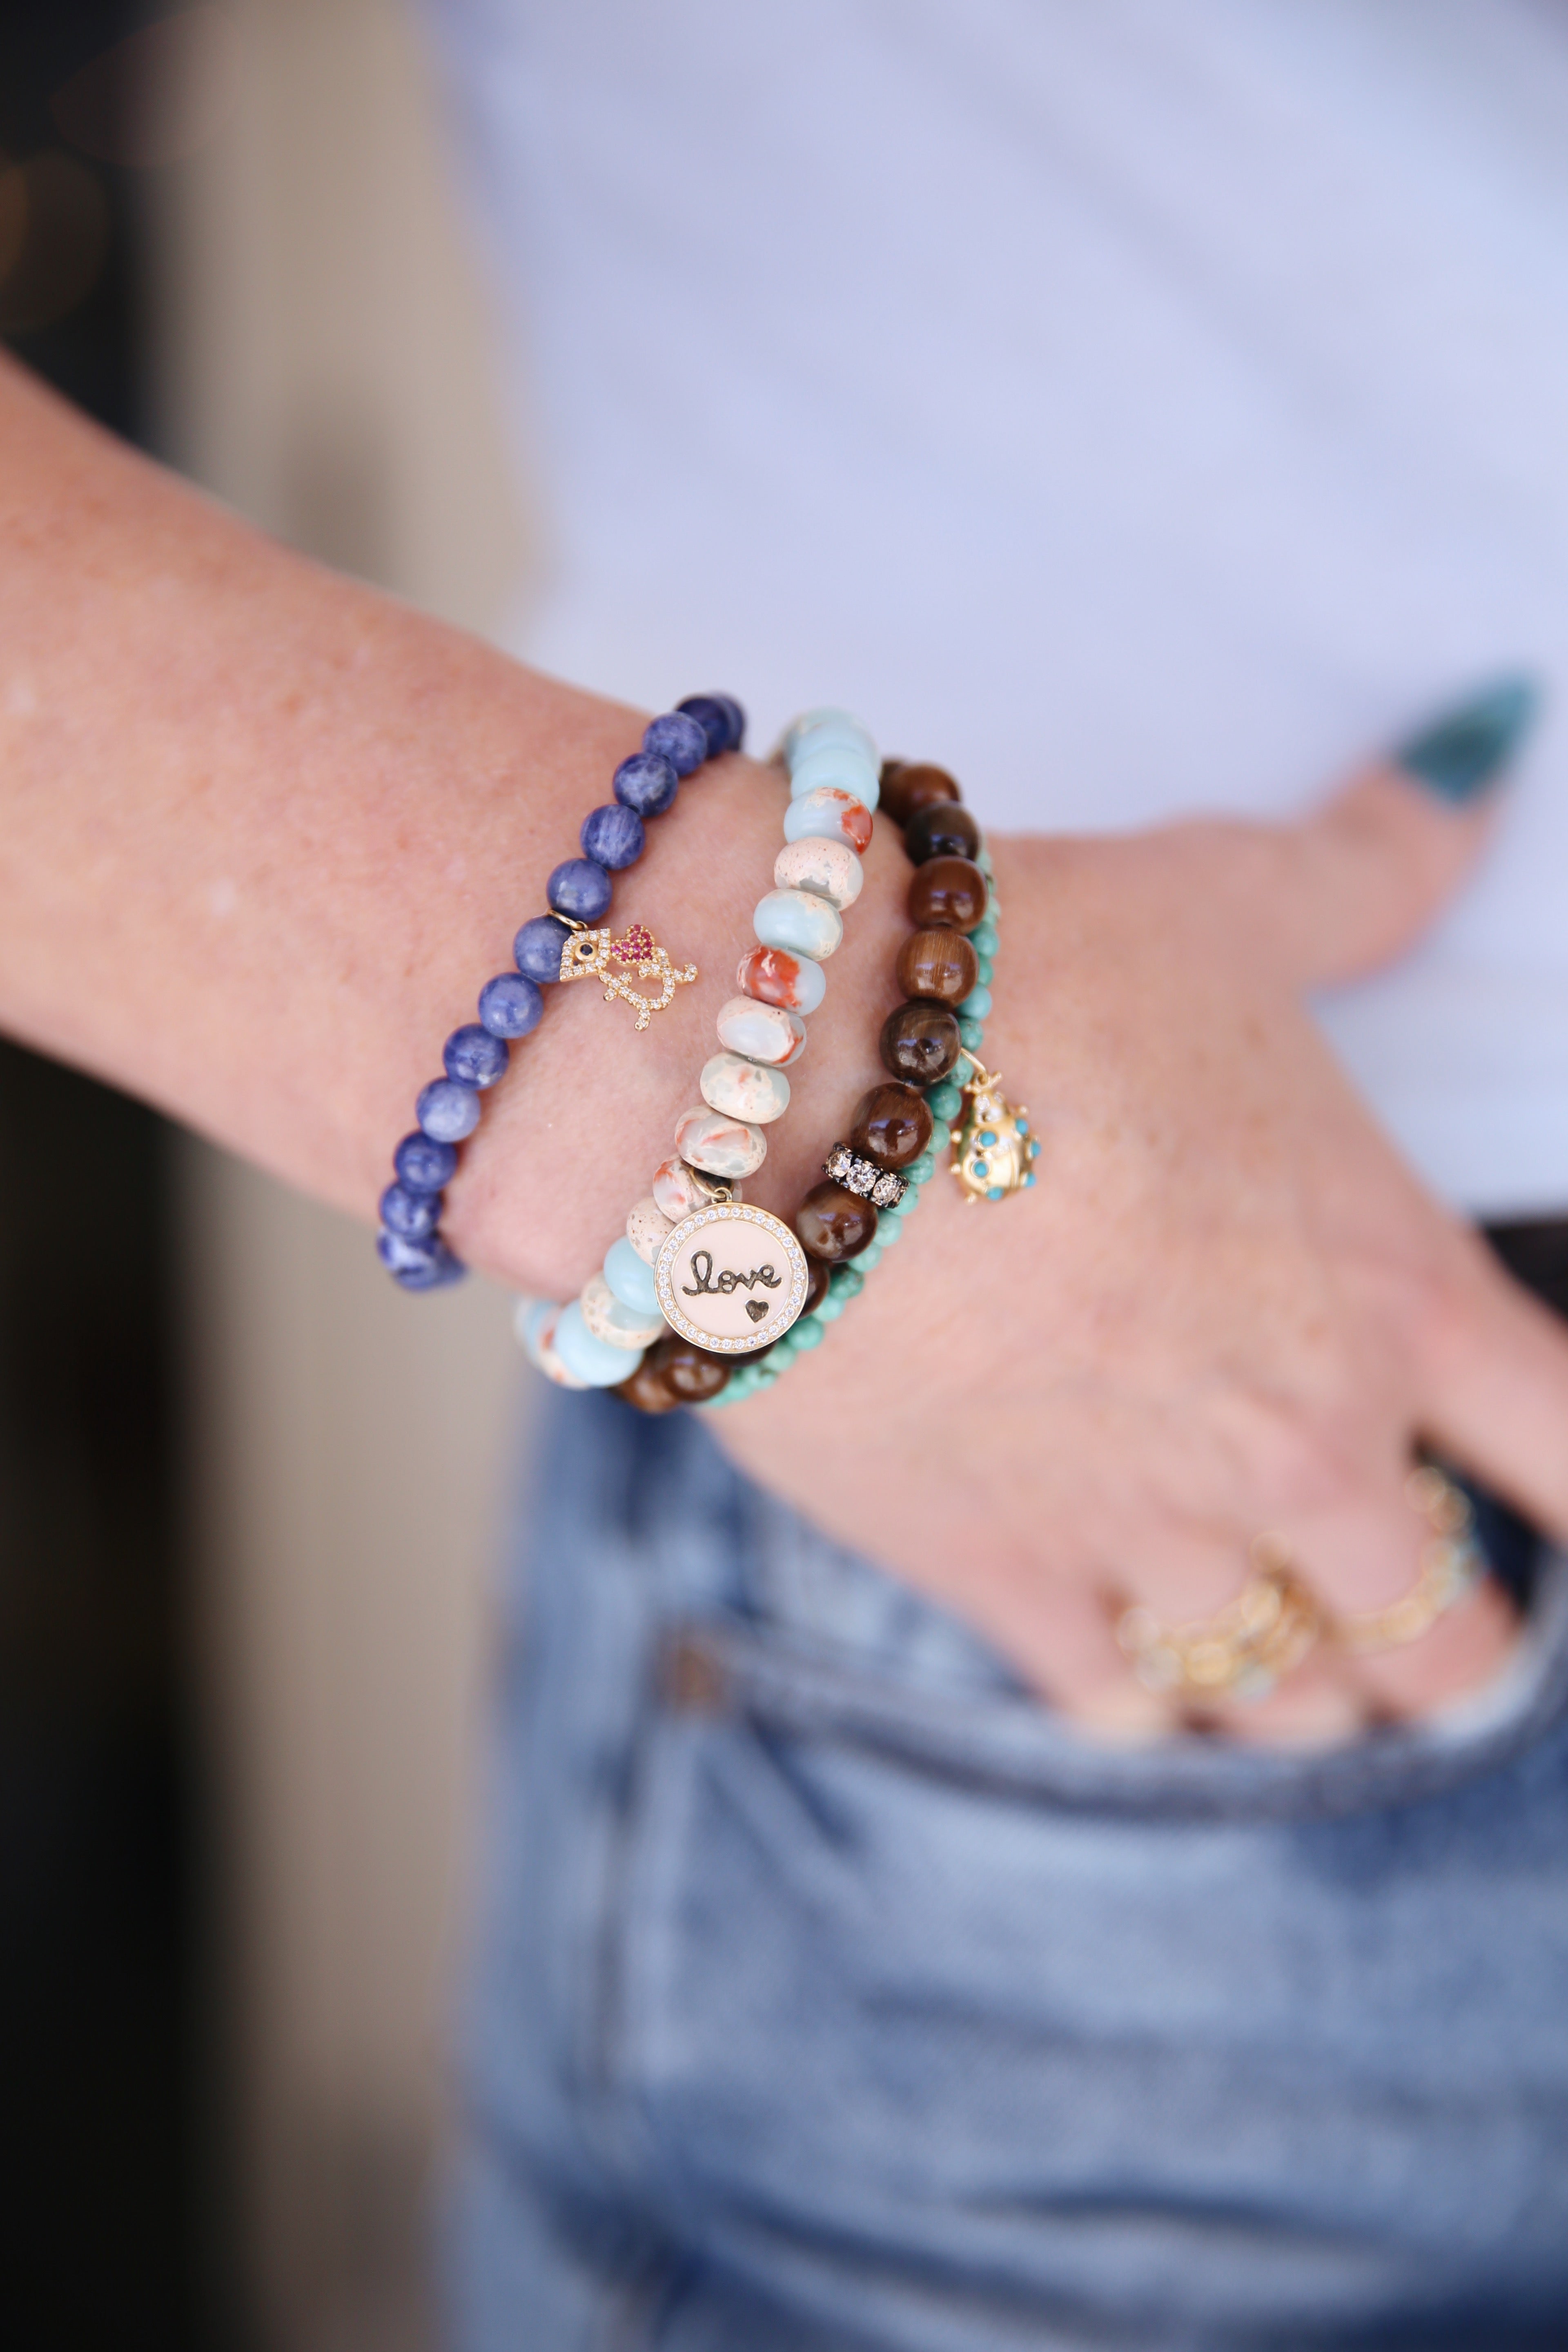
920, 1042
914, 786
947, 892
673, 1371
817, 1271
891, 1126
938, 964
834, 1224
941, 829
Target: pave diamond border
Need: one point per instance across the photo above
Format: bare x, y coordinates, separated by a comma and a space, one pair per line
786, 1313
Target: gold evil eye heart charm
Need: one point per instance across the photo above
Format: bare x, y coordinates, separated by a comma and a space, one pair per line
731, 1277
994, 1151
595, 955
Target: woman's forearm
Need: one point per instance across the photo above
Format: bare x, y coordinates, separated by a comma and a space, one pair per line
264, 832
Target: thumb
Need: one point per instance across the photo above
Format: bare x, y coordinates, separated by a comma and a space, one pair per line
1370, 869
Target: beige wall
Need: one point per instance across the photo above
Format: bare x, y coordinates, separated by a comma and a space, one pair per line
323, 365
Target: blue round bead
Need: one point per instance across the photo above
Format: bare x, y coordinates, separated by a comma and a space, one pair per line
613, 835
647, 783
716, 715
418, 1265
675, 736
473, 1056
630, 1279
411, 1215
538, 947
448, 1111
736, 720
510, 1006
580, 889
423, 1165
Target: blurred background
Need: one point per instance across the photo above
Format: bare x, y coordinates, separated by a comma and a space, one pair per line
240, 1644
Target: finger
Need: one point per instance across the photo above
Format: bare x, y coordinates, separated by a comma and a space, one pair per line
1360, 878
1495, 1376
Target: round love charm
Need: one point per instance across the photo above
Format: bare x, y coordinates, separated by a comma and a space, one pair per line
731, 1277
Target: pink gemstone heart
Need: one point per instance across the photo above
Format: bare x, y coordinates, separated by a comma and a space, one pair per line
637, 946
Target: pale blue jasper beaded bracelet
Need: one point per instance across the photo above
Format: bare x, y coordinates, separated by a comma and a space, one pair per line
675, 745
695, 1261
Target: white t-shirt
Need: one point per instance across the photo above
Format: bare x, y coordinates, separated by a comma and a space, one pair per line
1137, 408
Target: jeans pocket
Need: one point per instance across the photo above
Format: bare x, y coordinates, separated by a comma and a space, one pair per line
926, 2003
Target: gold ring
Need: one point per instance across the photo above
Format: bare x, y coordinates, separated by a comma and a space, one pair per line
1276, 1619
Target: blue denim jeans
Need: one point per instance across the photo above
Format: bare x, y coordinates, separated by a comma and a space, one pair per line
829, 1993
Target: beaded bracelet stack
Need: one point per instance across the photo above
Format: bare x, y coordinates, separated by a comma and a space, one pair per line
562, 945
698, 1273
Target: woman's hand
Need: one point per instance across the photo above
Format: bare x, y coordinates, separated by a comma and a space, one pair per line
1226, 1307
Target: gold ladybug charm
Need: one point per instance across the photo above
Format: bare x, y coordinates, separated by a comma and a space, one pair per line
992, 1150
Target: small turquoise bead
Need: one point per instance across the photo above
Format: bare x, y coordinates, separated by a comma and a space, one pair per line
781, 1354
847, 1282
920, 1171
593, 1360
889, 1229
987, 970
983, 859
971, 1035
842, 765
944, 1101
986, 939
799, 922
806, 1333
940, 1137
630, 1279
830, 1305
975, 1006
867, 1258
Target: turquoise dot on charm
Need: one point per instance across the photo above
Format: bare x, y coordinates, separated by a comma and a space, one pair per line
994, 1191
1021, 1125
987, 1136
944, 1101
975, 1006
980, 1169
1029, 1177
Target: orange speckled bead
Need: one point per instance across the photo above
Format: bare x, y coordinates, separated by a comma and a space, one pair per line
938, 964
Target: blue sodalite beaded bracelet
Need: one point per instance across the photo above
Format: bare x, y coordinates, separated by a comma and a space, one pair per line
612, 837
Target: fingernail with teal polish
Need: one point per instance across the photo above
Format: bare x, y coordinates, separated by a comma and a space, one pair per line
1468, 750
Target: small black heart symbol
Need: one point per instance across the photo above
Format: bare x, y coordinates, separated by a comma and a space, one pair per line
757, 1308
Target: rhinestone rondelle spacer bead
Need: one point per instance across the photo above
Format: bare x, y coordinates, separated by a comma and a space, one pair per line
882, 1186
